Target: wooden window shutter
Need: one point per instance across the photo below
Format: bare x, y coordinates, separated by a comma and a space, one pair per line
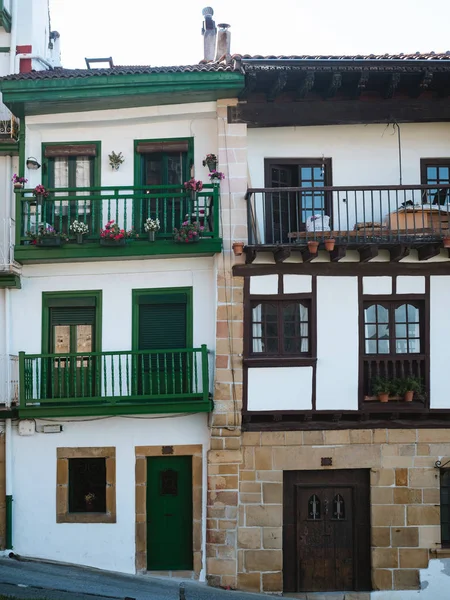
72, 315
71, 150
154, 147
162, 326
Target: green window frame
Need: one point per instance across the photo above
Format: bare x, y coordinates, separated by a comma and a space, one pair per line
68, 299
164, 295
47, 163
140, 158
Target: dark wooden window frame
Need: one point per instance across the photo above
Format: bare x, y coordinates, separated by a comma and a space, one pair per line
445, 540
280, 302
429, 162
391, 300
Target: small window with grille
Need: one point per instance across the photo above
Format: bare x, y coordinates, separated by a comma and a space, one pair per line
445, 508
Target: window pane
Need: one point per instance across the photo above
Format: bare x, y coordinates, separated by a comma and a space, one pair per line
401, 346
382, 314
371, 331
84, 338
62, 338
413, 330
87, 485
383, 347
414, 346
383, 332
431, 174
265, 328
370, 314
413, 313
295, 328
400, 314
400, 331
371, 347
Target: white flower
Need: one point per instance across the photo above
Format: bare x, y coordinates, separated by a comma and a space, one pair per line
151, 225
79, 227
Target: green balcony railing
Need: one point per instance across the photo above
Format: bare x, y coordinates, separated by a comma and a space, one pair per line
115, 382
128, 206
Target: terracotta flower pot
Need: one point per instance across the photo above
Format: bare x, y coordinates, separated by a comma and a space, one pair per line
238, 248
329, 244
18, 186
409, 395
312, 246
446, 242
383, 397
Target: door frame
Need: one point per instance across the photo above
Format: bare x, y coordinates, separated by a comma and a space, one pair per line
138, 156
198, 508
359, 481
135, 294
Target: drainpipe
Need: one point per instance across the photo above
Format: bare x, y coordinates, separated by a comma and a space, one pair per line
12, 49
31, 57
8, 427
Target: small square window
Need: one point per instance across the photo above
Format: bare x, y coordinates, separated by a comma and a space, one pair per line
87, 485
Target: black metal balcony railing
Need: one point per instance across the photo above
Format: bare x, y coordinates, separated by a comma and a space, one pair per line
114, 378
354, 215
393, 367
129, 207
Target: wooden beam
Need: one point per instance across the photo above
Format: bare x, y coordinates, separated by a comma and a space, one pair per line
366, 253
424, 84
310, 112
338, 253
278, 86
362, 82
399, 252
250, 255
429, 251
334, 84
306, 255
250, 85
281, 254
305, 86
393, 81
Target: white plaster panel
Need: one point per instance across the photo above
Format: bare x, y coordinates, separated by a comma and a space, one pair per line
411, 285
297, 284
337, 343
264, 284
377, 285
439, 336
36, 532
280, 388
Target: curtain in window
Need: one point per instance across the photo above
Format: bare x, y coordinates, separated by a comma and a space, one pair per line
83, 179
303, 327
61, 181
257, 328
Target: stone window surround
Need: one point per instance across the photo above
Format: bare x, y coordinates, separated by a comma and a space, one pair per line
144, 452
62, 485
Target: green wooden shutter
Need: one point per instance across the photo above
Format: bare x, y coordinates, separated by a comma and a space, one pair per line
162, 326
73, 315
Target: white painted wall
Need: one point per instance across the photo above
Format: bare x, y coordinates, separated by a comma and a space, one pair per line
116, 279
337, 343
280, 388
105, 546
439, 337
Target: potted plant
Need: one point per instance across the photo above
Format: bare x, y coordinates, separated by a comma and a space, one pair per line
408, 386
216, 176
151, 226
210, 162
18, 181
193, 186
79, 229
40, 193
238, 248
382, 387
188, 232
47, 236
313, 246
113, 235
115, 160
329, 244
446, 239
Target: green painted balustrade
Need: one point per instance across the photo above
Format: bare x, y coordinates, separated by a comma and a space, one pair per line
135, 381
127, 206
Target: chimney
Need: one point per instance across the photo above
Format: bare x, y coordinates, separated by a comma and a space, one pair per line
209, 33
223, 42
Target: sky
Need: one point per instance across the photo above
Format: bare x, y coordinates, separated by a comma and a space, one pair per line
150, 32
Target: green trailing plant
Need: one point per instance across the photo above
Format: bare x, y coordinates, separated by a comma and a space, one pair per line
408, 384
115, 160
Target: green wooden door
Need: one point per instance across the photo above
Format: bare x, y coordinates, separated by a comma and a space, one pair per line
169, 513
162, 326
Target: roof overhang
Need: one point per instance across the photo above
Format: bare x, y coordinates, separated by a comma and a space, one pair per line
74, 94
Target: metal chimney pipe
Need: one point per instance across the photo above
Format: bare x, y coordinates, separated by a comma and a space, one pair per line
223, 42
209, 33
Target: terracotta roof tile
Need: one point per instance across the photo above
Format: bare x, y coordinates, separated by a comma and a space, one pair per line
406, 57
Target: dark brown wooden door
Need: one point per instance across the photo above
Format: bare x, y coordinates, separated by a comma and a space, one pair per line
326, 531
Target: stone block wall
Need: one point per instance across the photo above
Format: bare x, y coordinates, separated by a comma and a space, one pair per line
405, 515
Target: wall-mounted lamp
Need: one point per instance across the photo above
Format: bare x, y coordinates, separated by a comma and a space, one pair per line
33, 164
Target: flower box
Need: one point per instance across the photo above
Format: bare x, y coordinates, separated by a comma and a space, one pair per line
112, 242
49, 241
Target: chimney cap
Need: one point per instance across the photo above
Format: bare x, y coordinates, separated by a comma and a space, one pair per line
223, 25
207, 11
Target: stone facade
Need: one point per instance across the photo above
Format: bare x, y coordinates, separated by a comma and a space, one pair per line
405, 514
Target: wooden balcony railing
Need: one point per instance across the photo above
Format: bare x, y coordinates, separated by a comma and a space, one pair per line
129, 207
355, 216
115, 382
393, 367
